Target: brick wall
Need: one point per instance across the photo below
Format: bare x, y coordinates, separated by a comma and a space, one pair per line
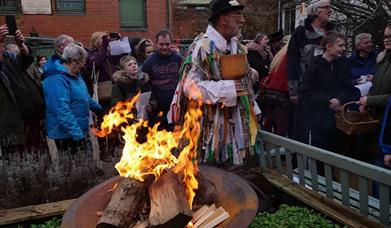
100, 15
260, 15
188, 22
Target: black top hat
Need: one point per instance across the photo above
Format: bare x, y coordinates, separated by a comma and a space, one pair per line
220, 6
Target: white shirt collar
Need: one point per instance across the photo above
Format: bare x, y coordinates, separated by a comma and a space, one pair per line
220, 41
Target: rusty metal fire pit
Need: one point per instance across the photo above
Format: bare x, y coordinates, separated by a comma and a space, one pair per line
233, 194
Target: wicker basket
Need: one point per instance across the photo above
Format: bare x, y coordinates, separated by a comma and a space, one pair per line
353, 122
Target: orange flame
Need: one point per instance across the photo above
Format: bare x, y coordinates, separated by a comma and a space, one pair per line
154, 156
118, 115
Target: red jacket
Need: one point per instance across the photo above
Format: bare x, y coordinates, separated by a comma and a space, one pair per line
278, 77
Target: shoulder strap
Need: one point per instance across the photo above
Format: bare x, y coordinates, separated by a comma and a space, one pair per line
94, 74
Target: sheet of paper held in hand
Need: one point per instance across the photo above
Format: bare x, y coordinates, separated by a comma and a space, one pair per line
364, 88
118, 47
143, 101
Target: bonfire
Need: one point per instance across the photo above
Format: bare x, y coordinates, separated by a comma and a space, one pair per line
153, 172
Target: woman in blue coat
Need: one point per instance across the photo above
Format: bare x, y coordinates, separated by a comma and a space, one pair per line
67, 100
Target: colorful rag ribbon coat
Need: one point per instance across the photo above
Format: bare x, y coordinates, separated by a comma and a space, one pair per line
229, 131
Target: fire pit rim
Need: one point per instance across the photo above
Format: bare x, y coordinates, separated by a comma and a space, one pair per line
99, 196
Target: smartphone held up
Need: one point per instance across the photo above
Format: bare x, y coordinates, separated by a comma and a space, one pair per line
114, 35
11, 24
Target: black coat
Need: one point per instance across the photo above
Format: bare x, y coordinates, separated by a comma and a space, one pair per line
257, 62
324, 81
20, 98
303, 46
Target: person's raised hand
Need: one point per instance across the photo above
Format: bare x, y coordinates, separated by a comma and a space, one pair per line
361, 108
19, 38
387, 160
148, 108
294, 99
363, 101
334, 104
239, 86
3, 32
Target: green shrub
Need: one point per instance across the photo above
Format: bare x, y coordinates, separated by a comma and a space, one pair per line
291, 216
52, 223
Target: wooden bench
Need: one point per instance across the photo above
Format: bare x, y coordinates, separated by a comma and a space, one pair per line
354, 195
33, 212
325, 205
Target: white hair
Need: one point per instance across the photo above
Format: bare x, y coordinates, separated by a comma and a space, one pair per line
360, 37
62, 39
12, 48
73, 52
314, 5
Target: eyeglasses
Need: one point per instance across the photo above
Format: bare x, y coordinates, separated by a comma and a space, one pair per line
325, 7
387, 37
236, 15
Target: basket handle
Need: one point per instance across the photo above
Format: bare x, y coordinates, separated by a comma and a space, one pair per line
343, 114
344, 108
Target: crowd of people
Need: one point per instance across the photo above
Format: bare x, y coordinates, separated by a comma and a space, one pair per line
292, 85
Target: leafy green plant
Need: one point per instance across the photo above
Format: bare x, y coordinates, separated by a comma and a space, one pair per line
291, 216
52, 223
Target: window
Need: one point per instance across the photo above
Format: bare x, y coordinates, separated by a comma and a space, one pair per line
70, 6
132, 13
9, 7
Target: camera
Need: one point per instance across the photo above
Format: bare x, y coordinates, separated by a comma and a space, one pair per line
114, 35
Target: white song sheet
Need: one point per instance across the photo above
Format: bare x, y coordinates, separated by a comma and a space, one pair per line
141, 103
118, 47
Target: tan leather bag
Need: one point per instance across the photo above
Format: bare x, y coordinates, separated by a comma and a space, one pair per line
104, 90
233, 67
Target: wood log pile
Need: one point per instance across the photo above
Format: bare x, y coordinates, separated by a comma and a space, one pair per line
161, 203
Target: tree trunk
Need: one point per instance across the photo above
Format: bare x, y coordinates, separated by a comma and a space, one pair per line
169, 206
125, 204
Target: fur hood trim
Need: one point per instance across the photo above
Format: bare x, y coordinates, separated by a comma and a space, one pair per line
121, 77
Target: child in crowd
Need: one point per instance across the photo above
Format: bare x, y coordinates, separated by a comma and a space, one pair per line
37, 69
128, 81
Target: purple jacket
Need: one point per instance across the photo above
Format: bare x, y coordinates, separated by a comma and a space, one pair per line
105, 63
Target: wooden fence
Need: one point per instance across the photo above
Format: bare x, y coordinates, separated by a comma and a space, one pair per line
344, 180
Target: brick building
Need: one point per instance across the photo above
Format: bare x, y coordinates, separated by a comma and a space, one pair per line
267, 16
80, 18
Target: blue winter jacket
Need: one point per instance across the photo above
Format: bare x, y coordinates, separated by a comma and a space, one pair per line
52, 63
67, 103
385, 134
360, 66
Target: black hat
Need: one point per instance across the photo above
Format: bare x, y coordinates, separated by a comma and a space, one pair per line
220, 6
277, 36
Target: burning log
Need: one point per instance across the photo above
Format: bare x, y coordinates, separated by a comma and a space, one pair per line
169, 205
125, 204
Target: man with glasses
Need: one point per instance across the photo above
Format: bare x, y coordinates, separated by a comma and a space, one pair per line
304, 45
229, 128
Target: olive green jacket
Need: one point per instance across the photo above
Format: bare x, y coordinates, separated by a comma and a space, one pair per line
381, 89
